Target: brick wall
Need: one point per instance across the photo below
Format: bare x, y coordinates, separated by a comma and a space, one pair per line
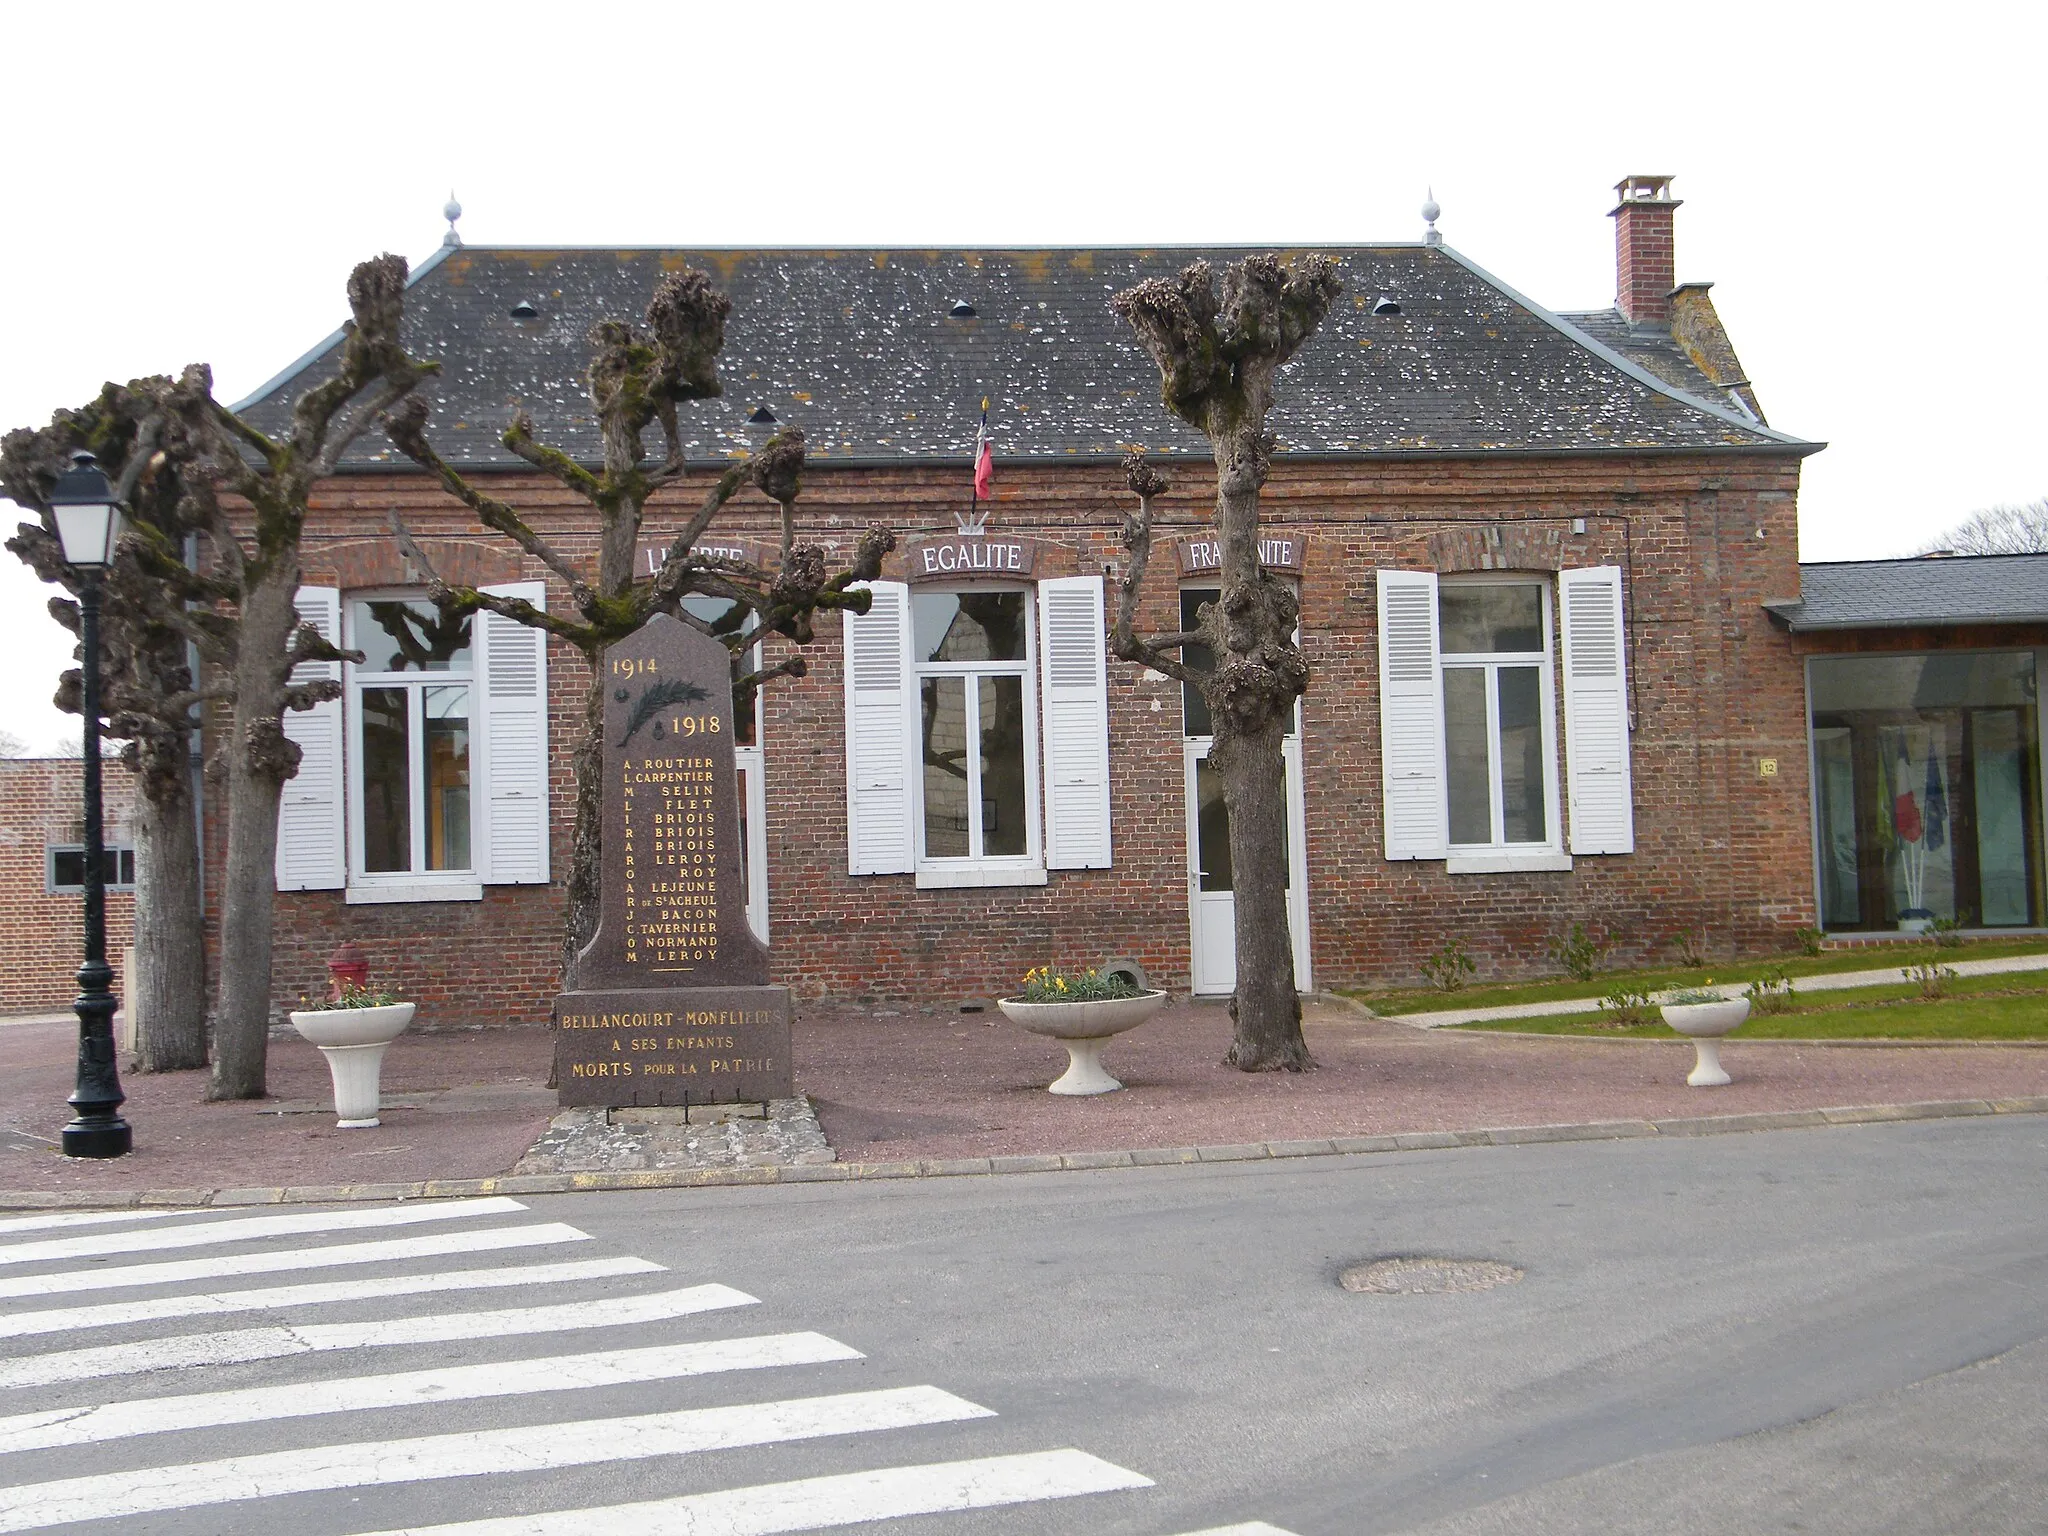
42, 937
1720, 849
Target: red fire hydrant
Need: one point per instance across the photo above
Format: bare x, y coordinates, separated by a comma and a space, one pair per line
348, 966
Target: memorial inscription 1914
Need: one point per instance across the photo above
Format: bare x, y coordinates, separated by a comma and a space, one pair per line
671, 1003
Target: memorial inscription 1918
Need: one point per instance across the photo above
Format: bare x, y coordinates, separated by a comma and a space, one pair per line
671, 1003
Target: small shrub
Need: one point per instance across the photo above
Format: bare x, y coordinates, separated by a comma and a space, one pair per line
1771, 992
1628, 1005
1810, 941
1577, 953
1946, 932
1932, 976
1691, 947
1449, 968
1050, 984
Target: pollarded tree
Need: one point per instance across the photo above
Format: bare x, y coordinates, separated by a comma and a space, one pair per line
636, 380
148, 690
1217, 355
246, 493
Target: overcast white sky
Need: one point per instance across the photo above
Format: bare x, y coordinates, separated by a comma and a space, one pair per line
1863, 185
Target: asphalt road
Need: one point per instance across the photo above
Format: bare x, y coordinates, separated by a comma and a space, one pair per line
1815, 1331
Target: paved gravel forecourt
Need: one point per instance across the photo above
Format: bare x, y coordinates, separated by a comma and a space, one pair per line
905, 1085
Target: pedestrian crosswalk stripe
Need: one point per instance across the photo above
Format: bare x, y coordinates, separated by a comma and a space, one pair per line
1249, 1528
82, 1219
819, 1503
185, 1350
220, 1265
216, 1303
53, 1427
474, 1454
251, 1228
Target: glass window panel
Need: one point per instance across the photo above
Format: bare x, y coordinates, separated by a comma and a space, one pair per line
1484, 618
968, 626
1002, 766
1841, 903
1466, 757
1521, 754
67, 868
386, 790
744, 709
944, 701
1999, 789
1952, 680
1194, 709
399, 636
444, 768
1212, 829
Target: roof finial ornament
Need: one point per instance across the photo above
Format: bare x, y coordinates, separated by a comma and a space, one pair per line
451, 211
1429, 213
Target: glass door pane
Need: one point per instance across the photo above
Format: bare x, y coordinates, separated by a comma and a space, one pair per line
1212, 829
387, 787
1467, 759
1841, 901
945, 767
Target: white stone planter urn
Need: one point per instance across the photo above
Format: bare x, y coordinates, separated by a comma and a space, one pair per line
1705, 1024
353, 1040
1084, 1029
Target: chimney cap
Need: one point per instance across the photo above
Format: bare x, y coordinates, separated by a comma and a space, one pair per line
1643, 189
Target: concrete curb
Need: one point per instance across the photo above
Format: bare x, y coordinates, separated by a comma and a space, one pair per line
1047, 1162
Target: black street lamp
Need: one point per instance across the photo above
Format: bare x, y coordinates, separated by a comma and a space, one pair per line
88, 525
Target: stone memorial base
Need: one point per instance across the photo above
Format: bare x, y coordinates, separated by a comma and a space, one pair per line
696, 1045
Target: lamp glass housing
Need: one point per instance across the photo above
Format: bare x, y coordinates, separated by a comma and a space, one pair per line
89, 531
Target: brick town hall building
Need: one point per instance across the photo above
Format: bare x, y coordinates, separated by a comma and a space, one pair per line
1533, 550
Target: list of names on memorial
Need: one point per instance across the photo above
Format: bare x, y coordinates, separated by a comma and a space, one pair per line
669, 861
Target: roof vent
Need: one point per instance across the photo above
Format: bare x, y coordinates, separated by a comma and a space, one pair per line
524, 310
762, 417
961, 310
1387, 306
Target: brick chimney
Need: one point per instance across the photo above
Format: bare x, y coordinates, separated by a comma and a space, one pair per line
1645, 265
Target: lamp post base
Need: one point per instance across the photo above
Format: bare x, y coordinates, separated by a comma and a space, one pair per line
98, 1137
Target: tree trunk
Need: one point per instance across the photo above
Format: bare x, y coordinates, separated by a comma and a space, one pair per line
260, 758
169, 992
586, 842
1251, 697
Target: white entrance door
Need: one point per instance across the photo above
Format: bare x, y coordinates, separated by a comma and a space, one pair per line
754, 835
1212, 900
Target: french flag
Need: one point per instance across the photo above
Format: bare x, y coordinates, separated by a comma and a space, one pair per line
984, 460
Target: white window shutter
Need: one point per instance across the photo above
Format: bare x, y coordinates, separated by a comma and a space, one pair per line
512, 716
880, 711
1414, 806
1602, 813
311, 854
1074, 666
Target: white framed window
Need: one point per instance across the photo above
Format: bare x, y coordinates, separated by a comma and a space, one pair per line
410, 715
1468, 754
1499, 709
427, 779
64, 868
973, 654
950, 693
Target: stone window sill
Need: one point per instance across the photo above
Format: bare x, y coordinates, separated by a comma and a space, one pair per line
1503, 862
952, 874
415, 890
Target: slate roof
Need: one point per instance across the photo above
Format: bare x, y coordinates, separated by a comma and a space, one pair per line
858, 347
1924, 592
1652, 347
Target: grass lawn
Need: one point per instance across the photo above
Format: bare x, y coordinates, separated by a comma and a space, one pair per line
2008, 1007
1860, 957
